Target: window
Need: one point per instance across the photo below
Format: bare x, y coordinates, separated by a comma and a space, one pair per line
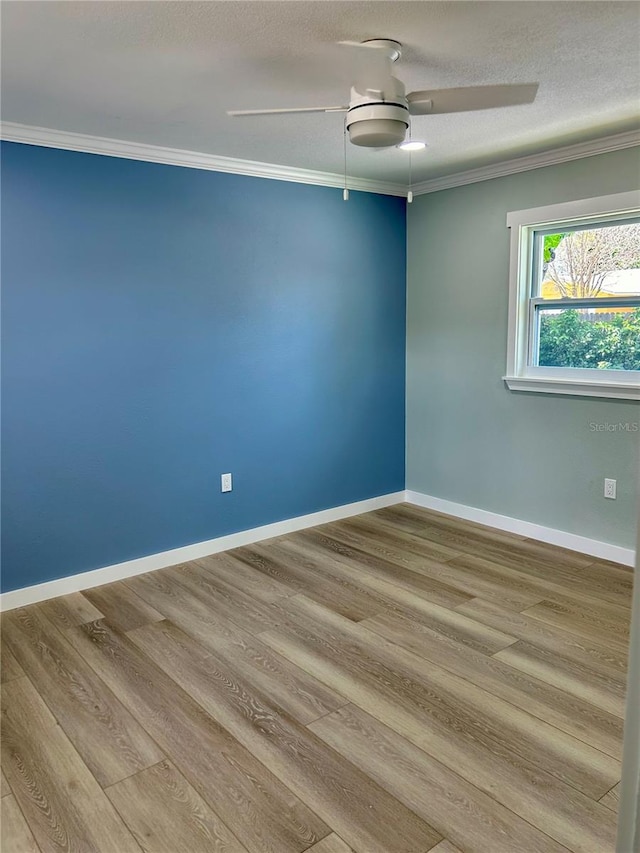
574, 302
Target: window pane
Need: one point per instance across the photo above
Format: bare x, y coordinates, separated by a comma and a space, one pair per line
604, 338
589, 262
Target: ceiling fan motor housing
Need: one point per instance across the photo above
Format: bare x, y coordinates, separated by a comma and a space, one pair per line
379, 117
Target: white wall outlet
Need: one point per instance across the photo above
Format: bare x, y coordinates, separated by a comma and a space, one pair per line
225, 483
610, 489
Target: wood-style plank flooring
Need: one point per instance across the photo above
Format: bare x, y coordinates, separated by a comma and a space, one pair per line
399, 682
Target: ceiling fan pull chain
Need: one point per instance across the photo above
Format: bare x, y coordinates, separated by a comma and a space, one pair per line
410, 193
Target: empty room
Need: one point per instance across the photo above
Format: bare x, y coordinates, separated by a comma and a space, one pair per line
320, 426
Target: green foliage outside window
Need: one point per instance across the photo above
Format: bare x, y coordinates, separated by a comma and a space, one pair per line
569, 340
551, 242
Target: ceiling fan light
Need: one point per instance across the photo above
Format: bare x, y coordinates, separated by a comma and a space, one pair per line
412, 145
377, 133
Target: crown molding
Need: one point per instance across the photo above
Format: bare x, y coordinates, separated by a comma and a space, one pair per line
50, 138
629, 139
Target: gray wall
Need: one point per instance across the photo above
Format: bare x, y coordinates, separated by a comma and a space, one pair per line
469, 439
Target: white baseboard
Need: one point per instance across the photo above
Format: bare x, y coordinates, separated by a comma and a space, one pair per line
592, 547
97, 577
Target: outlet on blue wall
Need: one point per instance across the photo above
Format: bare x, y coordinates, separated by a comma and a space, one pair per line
162, 326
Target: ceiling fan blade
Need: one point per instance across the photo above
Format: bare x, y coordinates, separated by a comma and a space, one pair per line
283, 111
470, 98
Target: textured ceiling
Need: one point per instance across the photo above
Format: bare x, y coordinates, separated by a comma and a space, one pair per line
165, 72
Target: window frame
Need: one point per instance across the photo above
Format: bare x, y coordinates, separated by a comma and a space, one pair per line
521, 375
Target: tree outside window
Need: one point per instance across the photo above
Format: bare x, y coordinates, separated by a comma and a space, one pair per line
591, 263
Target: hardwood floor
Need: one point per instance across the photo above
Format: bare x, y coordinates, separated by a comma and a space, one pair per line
399, 682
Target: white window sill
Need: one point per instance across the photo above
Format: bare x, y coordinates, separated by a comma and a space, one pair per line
577, 387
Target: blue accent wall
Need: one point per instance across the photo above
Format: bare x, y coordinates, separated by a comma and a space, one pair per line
164, 325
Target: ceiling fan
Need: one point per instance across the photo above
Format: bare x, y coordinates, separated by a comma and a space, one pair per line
378, 113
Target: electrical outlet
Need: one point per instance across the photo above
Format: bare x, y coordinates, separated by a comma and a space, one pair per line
225, 483
610, 489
